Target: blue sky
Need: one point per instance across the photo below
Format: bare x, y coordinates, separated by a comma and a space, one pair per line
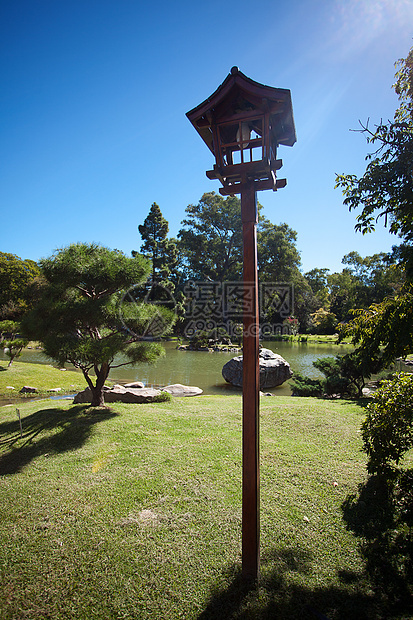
94, 96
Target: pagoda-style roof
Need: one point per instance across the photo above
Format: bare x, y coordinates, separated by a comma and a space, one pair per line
239, 97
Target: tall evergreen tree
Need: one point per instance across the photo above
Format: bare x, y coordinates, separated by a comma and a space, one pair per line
156, 246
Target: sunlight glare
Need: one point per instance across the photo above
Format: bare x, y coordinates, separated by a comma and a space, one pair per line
359, 23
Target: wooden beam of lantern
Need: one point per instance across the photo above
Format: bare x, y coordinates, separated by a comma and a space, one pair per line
243, 123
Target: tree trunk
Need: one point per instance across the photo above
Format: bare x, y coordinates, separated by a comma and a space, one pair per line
98, 399
102, 373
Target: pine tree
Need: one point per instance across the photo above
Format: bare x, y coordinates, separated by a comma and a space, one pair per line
156, 246
86, 316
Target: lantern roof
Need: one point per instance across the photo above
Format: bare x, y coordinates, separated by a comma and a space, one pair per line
240, 98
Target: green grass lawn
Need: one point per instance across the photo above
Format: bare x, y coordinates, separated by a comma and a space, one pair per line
135, 512
319, 338
40, 376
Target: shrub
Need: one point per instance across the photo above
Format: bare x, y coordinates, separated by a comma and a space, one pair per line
346, 374
305, 386
388, 428
204, 339
323, 322
199, 341
163, 397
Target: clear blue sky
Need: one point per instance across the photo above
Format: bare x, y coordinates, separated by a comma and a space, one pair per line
93, 102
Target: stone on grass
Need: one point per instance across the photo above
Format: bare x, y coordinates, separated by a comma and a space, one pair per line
131, 395
177, 389
127, 394
274, 370
27, 389
119, 394
135, 384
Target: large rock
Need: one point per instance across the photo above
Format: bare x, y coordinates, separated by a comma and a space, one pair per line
177, 389
28, 389
127, 394
135, 384
120, 394
131, 395
274, 370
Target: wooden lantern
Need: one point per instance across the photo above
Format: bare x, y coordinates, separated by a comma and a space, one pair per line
243, 123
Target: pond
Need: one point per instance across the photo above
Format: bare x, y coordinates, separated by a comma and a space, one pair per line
203, 369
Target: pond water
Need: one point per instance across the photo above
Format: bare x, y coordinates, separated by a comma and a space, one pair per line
203, 369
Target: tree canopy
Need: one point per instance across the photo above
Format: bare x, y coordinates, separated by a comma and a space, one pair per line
156, 246
278, 257
210, 239
386, 190
211, 247
362, 282
85, 317
211, 242
16, 277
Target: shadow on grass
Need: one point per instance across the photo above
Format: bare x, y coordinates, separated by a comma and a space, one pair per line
381, 514
362, 402
276, 597
355, 596
47, 431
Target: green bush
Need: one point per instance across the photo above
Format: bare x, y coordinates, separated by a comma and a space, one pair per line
305, 386
388, 428
347, 374
323, 322
163, 397
336, 381
344, 375
199, 341
203, 339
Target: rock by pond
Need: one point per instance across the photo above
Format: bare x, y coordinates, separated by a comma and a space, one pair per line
135, 384
127, 394
274, 370
119, 394
177, 389
28, 389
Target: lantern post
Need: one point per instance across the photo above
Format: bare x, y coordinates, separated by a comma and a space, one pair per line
243, 123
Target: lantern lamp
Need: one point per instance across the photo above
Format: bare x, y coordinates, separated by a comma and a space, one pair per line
243, 123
